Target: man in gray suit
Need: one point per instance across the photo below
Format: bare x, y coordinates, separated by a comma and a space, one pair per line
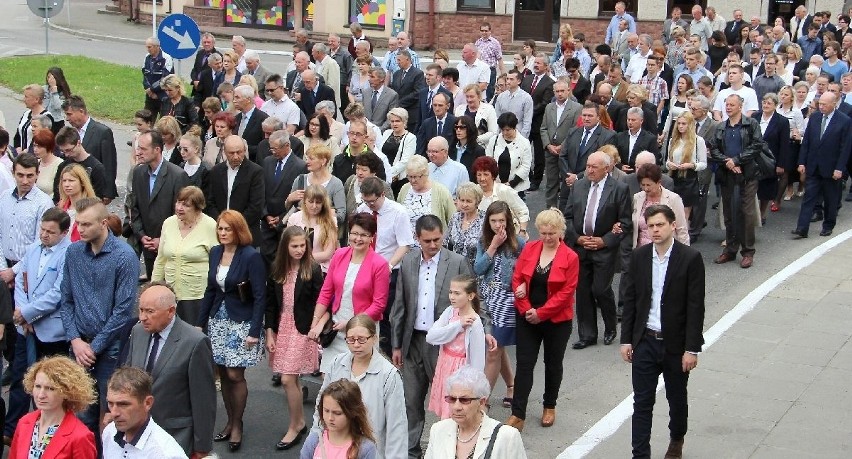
559, 117
675, 20
578, 145
596, 204
700, 107
256, 69
280, 171
379, 99
156, 184
414, 312
180, 360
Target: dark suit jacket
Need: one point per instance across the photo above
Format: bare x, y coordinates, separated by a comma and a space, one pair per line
247, 196
667, 28
296, 147
470, 155
614, 206
733, 36
614, 110
387, 100
582, 90
794, 27
253, 133
206, 87
305, 297
247, 266
403, 311
649, 119
777, 136
682, 305
150, 210
821, 156
277, 190
426, 107
542, 96
100, 143
429, 128
184, 390
200, 63
571, 160
749, 69
646, 141
71, 441
309, 101
408, 89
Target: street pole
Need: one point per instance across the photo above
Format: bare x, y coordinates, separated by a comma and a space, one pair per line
154, 19
46, 29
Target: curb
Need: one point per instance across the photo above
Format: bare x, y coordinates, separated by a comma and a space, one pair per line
95, 35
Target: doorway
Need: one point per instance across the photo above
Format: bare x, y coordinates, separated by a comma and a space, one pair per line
534, 19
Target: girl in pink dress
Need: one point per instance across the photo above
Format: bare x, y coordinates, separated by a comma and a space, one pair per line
296, 283
460, 334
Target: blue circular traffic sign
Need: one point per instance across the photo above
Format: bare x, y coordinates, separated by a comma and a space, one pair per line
179, 36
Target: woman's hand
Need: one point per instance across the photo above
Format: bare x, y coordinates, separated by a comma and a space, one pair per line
315, 332
686, 166
296, 196
671, 166
532, 316
338, 326
779, 170
499, 238
521, 291
270, 340
467, 321
251, 341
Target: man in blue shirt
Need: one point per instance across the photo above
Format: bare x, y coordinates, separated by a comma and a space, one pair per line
99, 285
811, 44
619, 15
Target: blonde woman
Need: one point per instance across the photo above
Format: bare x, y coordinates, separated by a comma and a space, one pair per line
564, 49
170, 128
176, 104
398, 146
230, 75
685, 156
483, 114
74, 184
318, 219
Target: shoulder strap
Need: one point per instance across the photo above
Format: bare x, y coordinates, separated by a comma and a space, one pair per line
492, 441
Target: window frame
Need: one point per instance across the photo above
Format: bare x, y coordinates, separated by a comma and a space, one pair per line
461, 7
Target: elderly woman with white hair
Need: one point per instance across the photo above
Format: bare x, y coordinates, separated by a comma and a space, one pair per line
482, 113
33, 100
470, 433
398, 145
423, 196
176, 104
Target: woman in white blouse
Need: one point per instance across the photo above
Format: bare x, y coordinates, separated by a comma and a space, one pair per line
790, 175
483, 114
512, 153
397, 146
685, 156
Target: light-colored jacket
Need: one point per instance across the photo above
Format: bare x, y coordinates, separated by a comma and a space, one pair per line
668, 198
520, 154
382, 393
442, 441
39, 296
485, 112
407, 147
443, 331
443, 205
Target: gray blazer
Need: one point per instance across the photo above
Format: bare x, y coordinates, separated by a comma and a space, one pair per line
555, 131
184, 388
260, 75
387, 100
403, 312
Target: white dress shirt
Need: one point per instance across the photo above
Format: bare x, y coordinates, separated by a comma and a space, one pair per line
659, 266
425, 313
600, 186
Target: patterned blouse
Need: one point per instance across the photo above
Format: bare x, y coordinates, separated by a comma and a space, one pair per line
38, 445
463, 242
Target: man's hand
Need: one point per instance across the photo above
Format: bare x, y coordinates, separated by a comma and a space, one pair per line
837, 175
553, 149
801, 169
272, 221
689, 362
730, 164
570, 179
626, 168
396, 357
7, 275
627, 352
83, 352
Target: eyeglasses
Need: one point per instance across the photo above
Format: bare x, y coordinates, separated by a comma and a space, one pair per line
356, 134
67, 151
463, 400
358, 339
271, 90
353, 235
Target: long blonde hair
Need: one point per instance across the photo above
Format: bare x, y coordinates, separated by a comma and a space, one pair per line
78, 172
326, 219
688, 139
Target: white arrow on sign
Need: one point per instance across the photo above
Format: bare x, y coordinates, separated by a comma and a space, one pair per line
184, 41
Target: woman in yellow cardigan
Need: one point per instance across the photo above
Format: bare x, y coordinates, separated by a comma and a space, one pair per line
421, 196
184, 256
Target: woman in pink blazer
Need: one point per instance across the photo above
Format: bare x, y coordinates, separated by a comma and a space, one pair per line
650, 180
357, 282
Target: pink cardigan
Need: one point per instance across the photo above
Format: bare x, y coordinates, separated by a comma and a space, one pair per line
370, 294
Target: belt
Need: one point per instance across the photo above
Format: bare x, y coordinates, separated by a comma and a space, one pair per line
416, 331
657, 335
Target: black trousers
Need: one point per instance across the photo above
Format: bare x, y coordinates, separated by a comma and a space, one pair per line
594, 291
650, 359
530, 338
537, 171
384, 324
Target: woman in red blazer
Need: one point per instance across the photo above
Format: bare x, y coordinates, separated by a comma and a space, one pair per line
357, 282
60, 387
544, 281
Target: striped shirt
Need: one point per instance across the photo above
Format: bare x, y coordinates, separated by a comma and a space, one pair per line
20, 222
98, 291
657, 87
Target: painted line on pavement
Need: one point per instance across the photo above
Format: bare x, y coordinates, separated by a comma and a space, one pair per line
613, 420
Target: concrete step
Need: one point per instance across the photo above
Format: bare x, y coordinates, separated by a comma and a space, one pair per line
110, 9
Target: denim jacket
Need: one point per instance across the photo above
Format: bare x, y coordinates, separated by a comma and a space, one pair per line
483, 265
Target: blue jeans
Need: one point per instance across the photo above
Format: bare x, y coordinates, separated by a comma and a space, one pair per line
105, 364
19, 400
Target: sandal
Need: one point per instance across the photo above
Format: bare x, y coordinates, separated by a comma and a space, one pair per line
774, 207
507, 401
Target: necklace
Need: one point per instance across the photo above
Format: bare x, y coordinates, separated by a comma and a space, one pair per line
475, 432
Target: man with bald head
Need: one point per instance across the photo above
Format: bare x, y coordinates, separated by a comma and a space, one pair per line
237, 184
180, 360
293, 81
597, 202
402, 44
442, 168
313, 91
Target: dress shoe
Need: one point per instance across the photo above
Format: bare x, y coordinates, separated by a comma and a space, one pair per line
7, 440
746, 262
724, 258
234, 446
582, 344
548, 417
282, 445
534, 186
609, 337
817, 217
222, 436
515, 422
276, 380
798, 234
825, 233
675, 450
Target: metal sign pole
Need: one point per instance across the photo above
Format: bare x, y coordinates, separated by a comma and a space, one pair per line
46, 29
154, 19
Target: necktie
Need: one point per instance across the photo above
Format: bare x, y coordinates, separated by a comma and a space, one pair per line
440, 127
822, 126
221, 155
278, 169
697, 126
374, 100
429, 99
534, 84
588, 220
585, 139
152, 357
243, 123
733, 25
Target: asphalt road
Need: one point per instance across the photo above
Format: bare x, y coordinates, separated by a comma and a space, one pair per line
595, 378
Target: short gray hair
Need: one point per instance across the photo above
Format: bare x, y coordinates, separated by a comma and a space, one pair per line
470, 189
321, 48
245, 90
647, 39
280, 137
400, 113
272, 122
214, 57
469, 378
703, 101
636, 111
239, 39
404, 52
251, 55
377, 71
773, 97
417, 164
325, 105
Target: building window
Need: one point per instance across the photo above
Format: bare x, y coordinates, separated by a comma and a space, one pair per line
607, 7
476, 5
371, 14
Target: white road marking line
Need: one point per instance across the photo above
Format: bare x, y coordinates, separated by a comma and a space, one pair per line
613, 420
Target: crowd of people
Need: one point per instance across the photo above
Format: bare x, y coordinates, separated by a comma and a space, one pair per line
390, 253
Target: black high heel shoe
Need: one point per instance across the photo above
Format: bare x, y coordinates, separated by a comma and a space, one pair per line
234, 446
281, 445
222, 436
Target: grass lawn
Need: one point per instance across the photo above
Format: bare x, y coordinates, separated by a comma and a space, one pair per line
111, 91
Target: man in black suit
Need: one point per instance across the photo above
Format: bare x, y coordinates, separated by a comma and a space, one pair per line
97, 140
732, 28
280, 171
313, 91
249, 119
264, 150
432, 76
613, 107
560, 117
539, 86
596, 204
206, 86
439, 124
208, 47
245, 193
407, 82
634, 140
578, 145
661, 330
156, 184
